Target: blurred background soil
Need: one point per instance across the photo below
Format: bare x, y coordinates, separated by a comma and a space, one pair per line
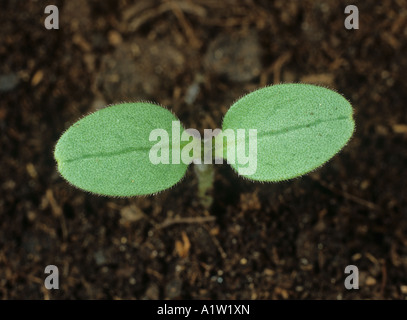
290, 240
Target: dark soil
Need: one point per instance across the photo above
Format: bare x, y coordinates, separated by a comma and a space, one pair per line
290, 240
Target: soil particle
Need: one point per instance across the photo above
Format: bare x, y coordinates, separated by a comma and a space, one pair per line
237, 57
124, 72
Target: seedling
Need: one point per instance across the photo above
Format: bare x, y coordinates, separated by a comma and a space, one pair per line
296, 127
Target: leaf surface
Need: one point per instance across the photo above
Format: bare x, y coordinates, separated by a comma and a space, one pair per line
107, 152
299, 128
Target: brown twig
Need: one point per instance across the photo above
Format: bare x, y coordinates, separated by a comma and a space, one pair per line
217, 244
169, 221
384, 278
186, 26
275, 69
144, 14
347, 195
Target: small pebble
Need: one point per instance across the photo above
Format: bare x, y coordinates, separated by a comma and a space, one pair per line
370, 281
173, 289
8, 81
